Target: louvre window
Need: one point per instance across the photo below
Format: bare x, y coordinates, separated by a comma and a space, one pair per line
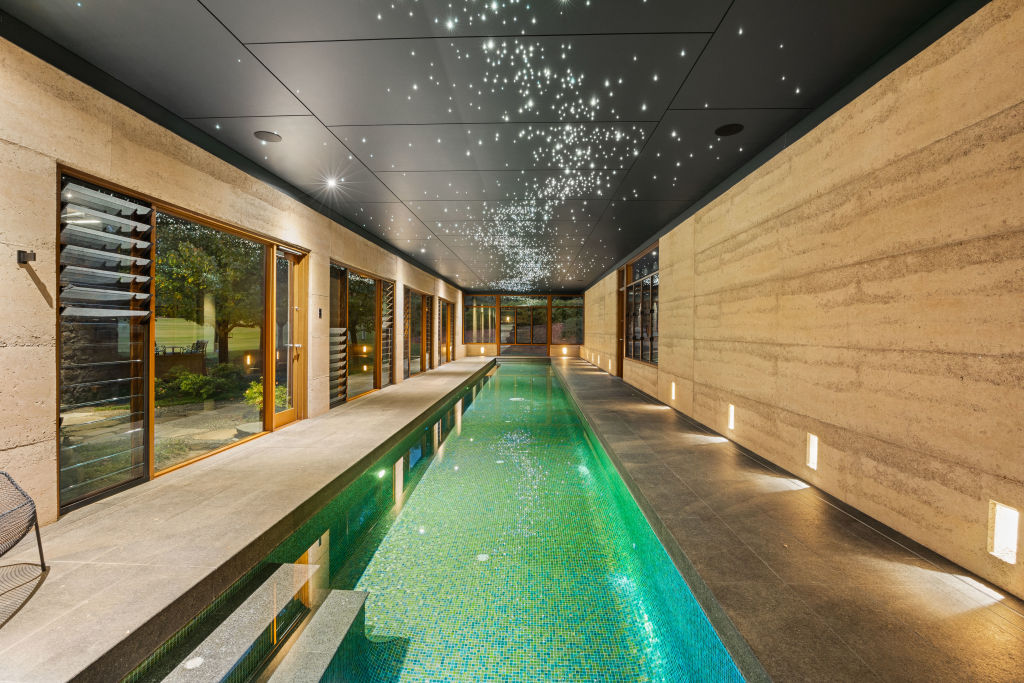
105, 307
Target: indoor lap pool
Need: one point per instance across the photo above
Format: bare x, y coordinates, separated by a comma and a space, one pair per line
496, 542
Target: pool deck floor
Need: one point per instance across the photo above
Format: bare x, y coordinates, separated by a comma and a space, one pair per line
128, 571
819, 591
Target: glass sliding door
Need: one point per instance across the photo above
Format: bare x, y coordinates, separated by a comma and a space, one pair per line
209, 340
288, 350
104, 331
337, 350
414, 325
446, 332
362, 326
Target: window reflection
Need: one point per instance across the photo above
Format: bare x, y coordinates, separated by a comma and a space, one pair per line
642, 308
567, 320
362, 325
210, 313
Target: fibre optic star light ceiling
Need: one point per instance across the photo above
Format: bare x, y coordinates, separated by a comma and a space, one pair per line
504, 144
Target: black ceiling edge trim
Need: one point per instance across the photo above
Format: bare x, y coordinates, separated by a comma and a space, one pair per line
35, 43
928, 33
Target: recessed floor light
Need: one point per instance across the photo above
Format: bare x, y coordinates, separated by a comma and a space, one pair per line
728, 129
267, 136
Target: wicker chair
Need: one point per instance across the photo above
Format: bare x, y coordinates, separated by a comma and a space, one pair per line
17, 517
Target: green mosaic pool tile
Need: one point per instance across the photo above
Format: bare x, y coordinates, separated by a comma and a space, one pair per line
520, 556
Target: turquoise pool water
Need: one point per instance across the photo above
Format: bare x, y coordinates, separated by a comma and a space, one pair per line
520, 555
496, 542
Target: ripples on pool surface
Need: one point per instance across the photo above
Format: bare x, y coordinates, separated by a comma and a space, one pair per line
521, 556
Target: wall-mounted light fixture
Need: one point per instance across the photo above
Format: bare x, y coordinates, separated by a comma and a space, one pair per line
25, 257
812, 451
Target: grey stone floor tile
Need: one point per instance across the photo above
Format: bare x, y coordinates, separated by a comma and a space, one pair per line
790, 640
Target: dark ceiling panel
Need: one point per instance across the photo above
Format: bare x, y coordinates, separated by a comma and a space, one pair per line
547, 79
308, 156
425, 250
686, 157
428, 185
795, 53
495, 146
630, 224
385, 219
297, 20
173, 52
509, 212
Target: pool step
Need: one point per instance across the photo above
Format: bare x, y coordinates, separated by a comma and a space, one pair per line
225, 647
311, 654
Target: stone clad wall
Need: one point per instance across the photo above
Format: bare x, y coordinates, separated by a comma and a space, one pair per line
48, 117
867, 285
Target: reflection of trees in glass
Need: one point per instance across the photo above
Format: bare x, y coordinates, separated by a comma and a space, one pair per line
362, 324
206, 282
566, 325
478, 324
193, 262
416, 332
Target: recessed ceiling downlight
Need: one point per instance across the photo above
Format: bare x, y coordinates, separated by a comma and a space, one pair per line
728, 129
267, 136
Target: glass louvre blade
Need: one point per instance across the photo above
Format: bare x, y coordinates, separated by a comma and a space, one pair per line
80, 293
94, 276
78, 311
98, 257
95, 220
75, 191
98, 239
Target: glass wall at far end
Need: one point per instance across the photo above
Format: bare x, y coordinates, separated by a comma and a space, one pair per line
567, 320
